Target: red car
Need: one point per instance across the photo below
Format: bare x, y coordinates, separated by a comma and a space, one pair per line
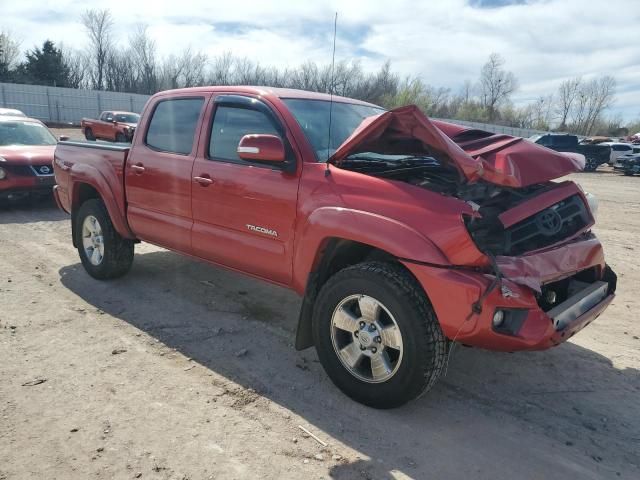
112, 125
402, 234
26, 157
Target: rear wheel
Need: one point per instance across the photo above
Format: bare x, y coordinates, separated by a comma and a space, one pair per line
88, 134
103, 252
377, 336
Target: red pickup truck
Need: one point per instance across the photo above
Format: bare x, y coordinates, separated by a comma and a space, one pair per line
113, 126
402, 234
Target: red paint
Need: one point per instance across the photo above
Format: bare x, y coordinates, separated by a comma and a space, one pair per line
109, 130
268, 148
17, 160
273, 223
500, 159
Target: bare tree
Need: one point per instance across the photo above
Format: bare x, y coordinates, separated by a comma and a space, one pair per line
120, 73
593, 98
222, 69
496, 84
9, 50
78, 66
541, 112
567, 94
99, 26
143, 55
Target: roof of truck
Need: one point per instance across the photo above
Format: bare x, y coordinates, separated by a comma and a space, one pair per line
278, 92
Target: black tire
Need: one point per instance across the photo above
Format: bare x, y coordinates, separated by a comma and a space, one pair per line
590, 167
120, 138
424, 345
88, 134
118, 251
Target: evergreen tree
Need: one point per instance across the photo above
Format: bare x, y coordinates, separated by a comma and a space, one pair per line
44, 66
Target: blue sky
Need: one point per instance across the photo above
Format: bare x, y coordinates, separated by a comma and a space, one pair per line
443, 42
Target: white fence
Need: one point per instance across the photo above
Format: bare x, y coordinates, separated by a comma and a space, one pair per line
66, 105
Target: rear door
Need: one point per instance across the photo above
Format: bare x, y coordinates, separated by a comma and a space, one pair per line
244, 214
158, 172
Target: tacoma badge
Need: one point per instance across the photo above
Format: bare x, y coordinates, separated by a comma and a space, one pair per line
253, 228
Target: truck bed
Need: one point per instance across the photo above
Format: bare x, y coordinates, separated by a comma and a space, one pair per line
79, 159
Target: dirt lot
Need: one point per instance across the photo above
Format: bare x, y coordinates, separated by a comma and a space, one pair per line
183, 371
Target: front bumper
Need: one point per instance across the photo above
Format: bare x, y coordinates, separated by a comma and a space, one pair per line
453, 294
21, 185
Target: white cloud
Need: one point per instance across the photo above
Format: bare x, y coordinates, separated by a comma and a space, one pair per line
445, 42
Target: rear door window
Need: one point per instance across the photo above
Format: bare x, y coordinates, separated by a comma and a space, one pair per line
173, 125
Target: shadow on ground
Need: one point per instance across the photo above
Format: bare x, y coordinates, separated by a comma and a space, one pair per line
30, 210
557, 409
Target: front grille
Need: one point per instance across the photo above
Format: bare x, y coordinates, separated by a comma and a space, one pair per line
551, 225
42, 170
29, 170
19, 170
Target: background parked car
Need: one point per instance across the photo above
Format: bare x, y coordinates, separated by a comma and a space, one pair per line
595, 155
112, 125
12, 112
620, 163
26, 157
618, 149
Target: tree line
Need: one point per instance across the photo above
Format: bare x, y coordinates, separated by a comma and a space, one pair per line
578, 106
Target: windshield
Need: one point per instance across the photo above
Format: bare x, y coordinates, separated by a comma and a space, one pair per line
25, 133
127, 117
313, 118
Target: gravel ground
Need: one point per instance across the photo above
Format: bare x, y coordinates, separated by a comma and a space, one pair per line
184, 371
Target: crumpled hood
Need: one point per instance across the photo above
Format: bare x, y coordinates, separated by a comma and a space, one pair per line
476, 154
27, 154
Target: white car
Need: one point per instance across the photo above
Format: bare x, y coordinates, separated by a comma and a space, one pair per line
12, 112
617, 150
619, 163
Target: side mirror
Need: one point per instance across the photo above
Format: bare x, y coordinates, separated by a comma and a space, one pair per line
262, 148
63, 138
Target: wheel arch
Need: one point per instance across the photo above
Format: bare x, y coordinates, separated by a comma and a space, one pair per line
88, 183
333, 238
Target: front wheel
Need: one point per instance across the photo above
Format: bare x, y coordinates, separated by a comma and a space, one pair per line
88, 134
377, 335
103, 252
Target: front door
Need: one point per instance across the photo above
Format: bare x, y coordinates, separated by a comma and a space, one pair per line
158, 173
244, 212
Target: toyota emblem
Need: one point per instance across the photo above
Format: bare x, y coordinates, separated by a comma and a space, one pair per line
549, 222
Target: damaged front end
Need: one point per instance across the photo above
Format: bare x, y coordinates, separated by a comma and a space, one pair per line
543, 276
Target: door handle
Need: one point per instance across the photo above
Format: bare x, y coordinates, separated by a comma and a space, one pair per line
138, 168
204, 181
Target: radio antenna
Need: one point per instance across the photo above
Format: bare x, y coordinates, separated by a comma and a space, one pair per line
333, 63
